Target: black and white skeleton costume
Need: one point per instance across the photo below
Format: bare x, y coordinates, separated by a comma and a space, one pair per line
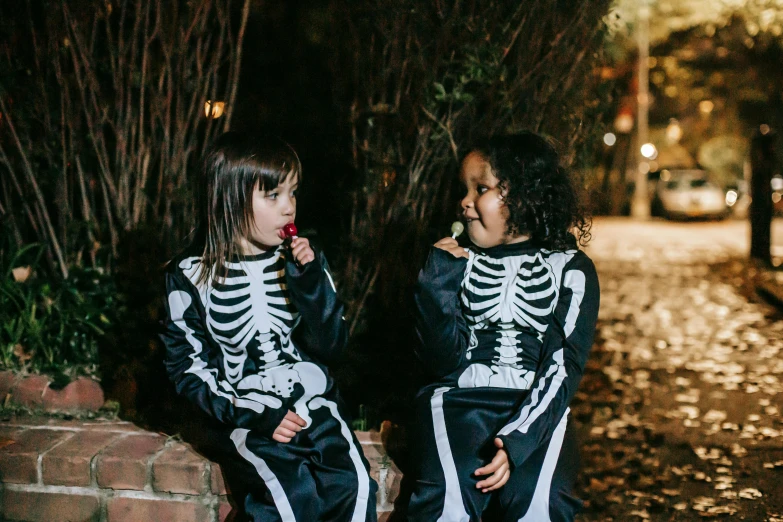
249, 349
507, 332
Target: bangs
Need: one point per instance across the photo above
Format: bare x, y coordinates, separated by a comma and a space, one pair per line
267, 177
233, 168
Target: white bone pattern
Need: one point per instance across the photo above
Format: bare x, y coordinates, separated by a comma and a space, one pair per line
250, 304
506, 295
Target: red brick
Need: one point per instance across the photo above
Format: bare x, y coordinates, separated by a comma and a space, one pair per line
368, 437
217, 483
179, 469
29, 391
138, 510
225, 512
100, 425
81, 394
7, 381
52, 507
123, 426
9, 432
19, 461
392, 485
69, 463
373, 452
123, 465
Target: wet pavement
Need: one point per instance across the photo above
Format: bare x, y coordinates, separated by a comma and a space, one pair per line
680, 410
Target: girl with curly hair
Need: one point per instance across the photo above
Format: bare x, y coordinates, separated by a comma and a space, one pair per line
506, 326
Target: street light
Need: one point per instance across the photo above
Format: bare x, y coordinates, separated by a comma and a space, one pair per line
649, 151
673, 132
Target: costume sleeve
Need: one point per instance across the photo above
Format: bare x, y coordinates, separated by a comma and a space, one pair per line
189, 352
311, 288
440, 325
567, 344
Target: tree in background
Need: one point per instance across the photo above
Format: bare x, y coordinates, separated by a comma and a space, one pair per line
420, 81
103, 117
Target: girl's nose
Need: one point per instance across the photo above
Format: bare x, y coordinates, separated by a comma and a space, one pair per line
289, 208
466, 203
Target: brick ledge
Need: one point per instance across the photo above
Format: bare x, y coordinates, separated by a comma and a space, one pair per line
114, 471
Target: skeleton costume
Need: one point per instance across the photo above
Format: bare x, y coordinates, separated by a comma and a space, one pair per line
507, 332
247, 350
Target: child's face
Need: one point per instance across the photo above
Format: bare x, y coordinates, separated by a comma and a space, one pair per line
483, 206
272, 210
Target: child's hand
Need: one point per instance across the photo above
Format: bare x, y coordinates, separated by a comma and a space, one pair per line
300, 248
450, 245
289, 427
499, 470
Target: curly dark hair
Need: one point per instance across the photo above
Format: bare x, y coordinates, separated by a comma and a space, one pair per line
540, 195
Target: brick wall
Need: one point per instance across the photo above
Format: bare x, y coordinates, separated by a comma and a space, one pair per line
54, 470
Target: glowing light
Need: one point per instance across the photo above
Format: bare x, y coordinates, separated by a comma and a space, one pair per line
706, 106
644, 167
666, 175
673, 131
610, 139
764, 129
731, 198
653, 166
776, 197
623, 123
670, 91
649, 151
777, 184
214, 110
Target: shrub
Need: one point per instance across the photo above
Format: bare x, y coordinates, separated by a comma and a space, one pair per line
52, 325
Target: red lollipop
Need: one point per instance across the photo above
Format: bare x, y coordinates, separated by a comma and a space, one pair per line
289, 230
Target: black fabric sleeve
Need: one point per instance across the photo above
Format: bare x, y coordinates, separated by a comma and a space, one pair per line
440, 325
189, 350
567, 344
311, 288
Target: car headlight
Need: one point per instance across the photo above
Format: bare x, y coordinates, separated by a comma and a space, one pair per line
731, 198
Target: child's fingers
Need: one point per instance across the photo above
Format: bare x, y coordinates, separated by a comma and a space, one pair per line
288, 432
293, 417
494, 478
305, 257
297, 241
446, 242
500, 483
499, 459
290, 425
280, 438
459, 252
303, 253
455, 250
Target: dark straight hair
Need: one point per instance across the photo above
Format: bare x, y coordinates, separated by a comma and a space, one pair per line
233, 167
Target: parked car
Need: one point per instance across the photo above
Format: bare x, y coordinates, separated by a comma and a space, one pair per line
690, 194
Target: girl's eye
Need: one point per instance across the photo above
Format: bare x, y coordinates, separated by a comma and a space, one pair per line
482, 189
272, 195
294, 193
